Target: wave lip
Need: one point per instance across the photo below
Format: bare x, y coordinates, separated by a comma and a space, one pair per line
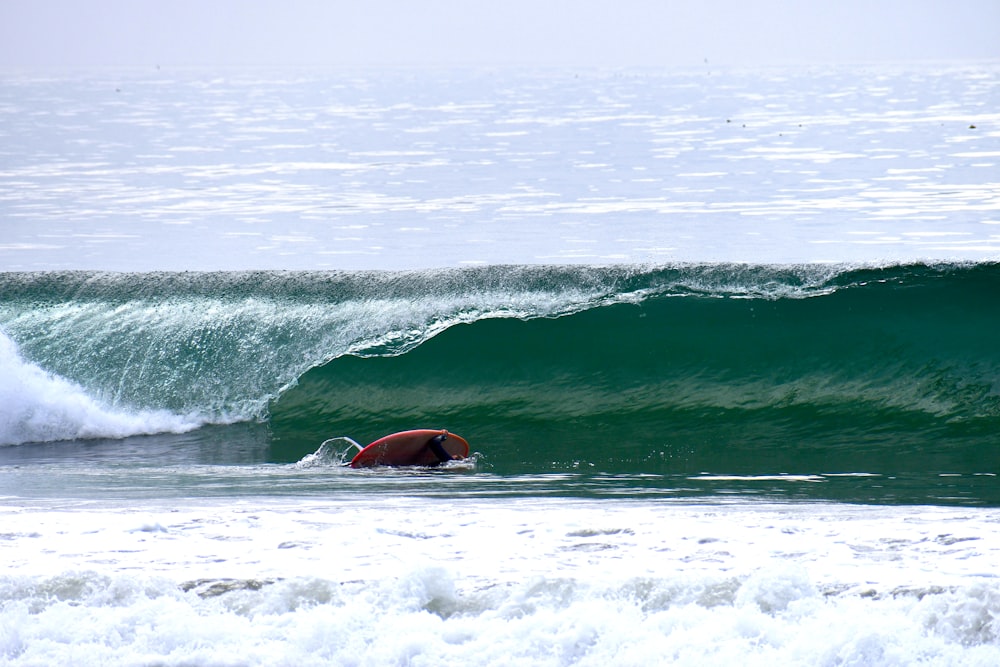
42, 407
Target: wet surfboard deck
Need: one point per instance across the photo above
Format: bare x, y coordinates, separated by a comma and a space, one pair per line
410, 448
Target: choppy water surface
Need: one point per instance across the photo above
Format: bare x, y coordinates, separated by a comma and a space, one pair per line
143, 171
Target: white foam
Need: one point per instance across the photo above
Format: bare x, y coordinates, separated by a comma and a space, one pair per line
39, 406
519, 582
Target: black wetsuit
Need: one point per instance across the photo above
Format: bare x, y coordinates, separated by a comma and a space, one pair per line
437, 447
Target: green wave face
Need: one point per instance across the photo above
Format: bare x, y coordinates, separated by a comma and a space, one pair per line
621, 370
221, 345
883, 374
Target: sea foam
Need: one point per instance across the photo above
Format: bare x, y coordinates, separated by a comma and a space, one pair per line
371, 580
41, 407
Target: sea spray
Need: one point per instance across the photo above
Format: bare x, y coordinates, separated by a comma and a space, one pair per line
41, 406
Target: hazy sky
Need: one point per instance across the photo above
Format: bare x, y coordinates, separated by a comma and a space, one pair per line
498, 32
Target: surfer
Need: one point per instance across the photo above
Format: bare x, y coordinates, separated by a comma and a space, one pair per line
436, 445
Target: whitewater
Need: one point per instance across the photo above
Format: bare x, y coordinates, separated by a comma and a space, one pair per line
723, 344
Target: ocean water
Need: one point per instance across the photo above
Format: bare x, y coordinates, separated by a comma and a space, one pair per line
724, 345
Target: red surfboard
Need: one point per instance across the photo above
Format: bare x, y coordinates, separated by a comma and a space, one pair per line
422, 447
